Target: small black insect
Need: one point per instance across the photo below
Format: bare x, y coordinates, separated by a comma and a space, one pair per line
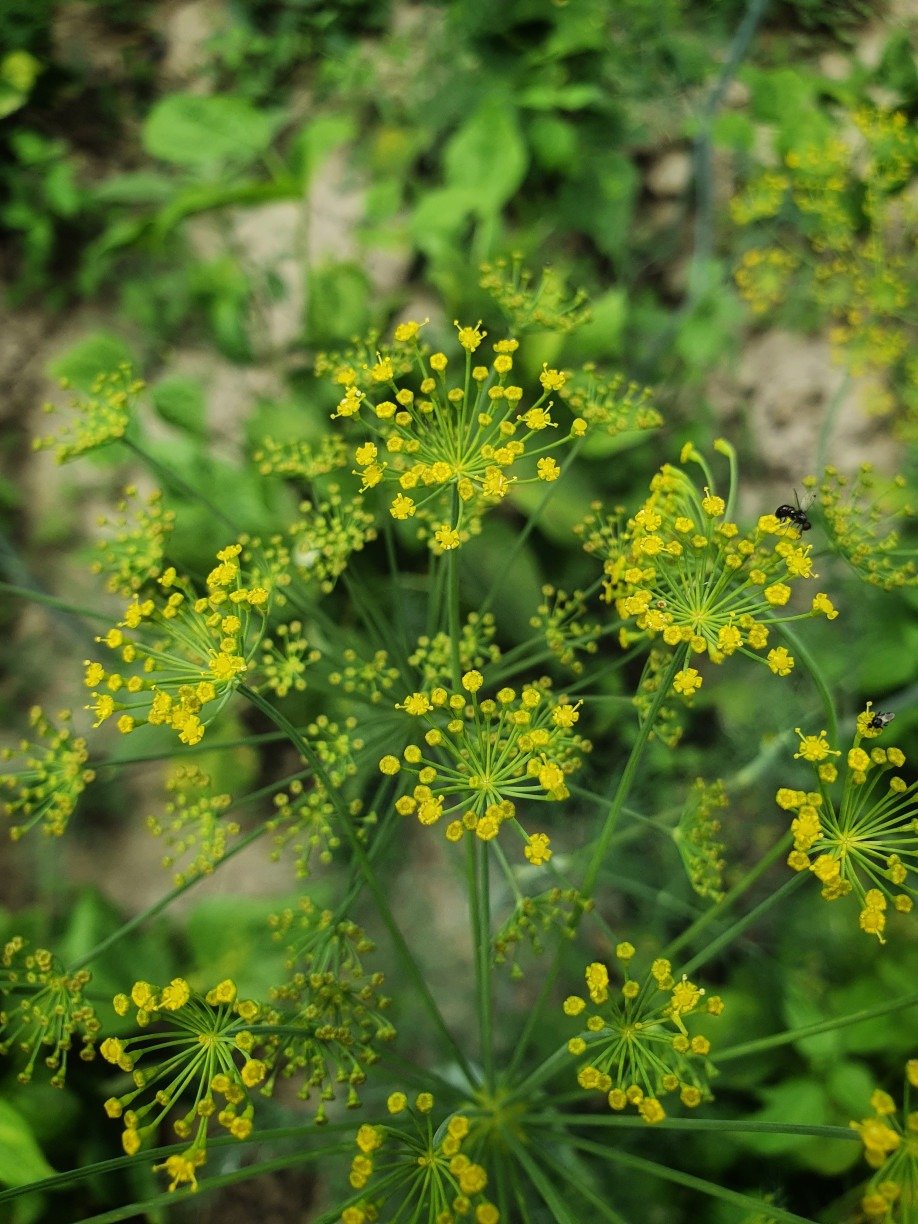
880, 720
796, 514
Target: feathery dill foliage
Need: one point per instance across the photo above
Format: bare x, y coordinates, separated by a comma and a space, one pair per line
404, 699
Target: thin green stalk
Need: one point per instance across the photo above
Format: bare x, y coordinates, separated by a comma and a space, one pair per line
689, 1181
733, 932
728, 900
554, 1199
531, 523
801, 653
830, 419
627, 776
177, 482
382, 904
813, 1030
51, 601
722, 1126
483, 959
158, 906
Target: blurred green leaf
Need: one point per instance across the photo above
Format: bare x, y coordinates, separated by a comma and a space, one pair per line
198, 131
180, 401
487, 157
21, 1159
81, 364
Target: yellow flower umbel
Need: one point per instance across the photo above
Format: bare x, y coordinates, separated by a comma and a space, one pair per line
192, 652
421, 1172
698, 838
866, 841
448, 448
482, 757
636, 1039
891, 1147
679, 571
547, 305
99, 418
45, 786
198, 1055
41, 1007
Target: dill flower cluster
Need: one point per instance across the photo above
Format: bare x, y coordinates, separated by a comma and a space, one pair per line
194, 824
420, 1173
199, 1049
193, 652
135, 549
97, 419
862, 516
41, 1007
453, 447
300, 460
891, 1147
638, 1045
482, 757
49, 777
330, 1010
681, 571
432, 656
864, 841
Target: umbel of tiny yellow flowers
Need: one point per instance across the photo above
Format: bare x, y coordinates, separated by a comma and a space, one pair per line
185, 654
451, 447
679, 570
480, 757
420, 1170
198, 1053
48, 779
99, 418
865, 840
891, 1148
41, 1007
637, 1044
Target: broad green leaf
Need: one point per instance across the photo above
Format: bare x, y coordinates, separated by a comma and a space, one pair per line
195, 131
21, 1159
180, 401
488, 156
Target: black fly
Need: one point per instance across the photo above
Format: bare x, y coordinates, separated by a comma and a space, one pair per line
880, 720
795, 514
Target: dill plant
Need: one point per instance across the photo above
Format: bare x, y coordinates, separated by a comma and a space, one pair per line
412, 720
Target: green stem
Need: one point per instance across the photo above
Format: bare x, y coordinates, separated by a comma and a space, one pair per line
369, 876
177, 482
801, 652
51, 601
723, 1126
689, 1181
627, 776
733, 932
728, 900
532, 522
158, 906
813, 1030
